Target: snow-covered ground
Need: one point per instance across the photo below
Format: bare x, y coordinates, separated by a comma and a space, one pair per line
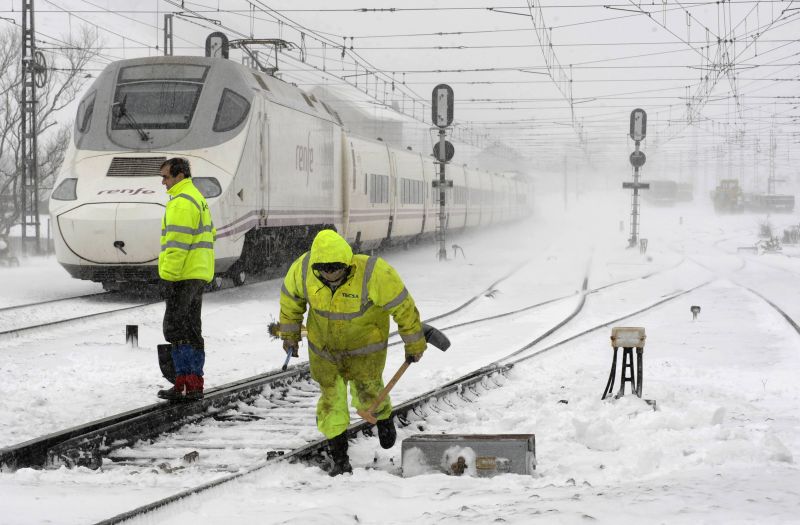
721, 448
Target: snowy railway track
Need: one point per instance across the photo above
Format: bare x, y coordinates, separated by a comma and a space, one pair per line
442, 400
81, 445
786, 316
17, 320
23, 319
243, 426
52, 301
85, 445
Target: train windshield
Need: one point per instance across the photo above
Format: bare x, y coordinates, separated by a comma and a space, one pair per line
158, 96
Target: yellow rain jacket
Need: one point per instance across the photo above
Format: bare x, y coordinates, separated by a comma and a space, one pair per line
187, 236
347, 329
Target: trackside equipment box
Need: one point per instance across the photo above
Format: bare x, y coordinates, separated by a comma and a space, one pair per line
481, 455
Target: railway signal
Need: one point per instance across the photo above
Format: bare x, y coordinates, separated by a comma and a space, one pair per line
443, 151
638, 131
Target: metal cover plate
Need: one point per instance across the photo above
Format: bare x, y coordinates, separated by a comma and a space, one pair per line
480, 455
627, 337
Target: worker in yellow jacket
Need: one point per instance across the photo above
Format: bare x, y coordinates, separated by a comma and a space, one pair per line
349, 299
185, 265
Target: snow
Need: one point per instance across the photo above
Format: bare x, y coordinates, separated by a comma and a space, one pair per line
722, 446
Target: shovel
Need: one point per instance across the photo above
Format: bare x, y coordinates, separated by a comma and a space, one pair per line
432, 336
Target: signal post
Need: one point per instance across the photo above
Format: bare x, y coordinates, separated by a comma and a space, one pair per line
638, 130
443, 151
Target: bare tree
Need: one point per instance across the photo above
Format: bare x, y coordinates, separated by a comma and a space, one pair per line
66, 77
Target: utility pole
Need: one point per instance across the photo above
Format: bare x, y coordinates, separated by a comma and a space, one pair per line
33, 76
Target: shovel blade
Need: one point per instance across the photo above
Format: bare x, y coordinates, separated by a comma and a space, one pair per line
165, 362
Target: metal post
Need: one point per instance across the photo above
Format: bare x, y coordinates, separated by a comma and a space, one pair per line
132, 335
168, 35
442, 217
29, 183
565, 182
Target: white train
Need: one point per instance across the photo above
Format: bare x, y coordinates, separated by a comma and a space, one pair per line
276, 165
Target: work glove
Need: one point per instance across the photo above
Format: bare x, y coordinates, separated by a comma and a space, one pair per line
413, 358
290, 346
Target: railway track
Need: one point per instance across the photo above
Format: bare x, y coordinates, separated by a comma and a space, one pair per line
441, 400
248, 424
86, 445
28, 318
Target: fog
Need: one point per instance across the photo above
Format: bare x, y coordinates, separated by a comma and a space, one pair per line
551, 85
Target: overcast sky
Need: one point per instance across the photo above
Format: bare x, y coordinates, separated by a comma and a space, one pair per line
717, 80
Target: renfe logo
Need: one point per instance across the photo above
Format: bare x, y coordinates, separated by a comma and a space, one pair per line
126, 191
304, 158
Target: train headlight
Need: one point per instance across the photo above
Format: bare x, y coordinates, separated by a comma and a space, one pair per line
66, 190
208, 186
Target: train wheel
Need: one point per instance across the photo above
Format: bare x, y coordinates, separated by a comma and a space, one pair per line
239, 277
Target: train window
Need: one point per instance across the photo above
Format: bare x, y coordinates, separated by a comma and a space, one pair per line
411, 191
233, 109
332, 113
261, 82
378, 188
208, 186
155, 105
163, 72
308, 100
85, 110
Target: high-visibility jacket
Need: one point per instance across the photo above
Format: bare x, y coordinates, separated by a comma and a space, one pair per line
187, 236
353, 320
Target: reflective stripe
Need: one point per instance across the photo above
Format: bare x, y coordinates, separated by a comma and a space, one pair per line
187, 229
337, 357
289, 327
197, 205
367, 274
193, 201
187, 247
341, 316
397, 300
290, 295
410, 338
305, 273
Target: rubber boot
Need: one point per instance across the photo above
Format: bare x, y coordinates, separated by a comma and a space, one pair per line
175, 393
194, 387
338, 451
387, 434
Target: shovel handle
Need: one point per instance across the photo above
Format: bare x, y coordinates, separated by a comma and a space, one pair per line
385, 392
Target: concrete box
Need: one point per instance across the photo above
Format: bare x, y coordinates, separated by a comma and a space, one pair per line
481, 455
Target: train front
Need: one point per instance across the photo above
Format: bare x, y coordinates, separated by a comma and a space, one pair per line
108, 200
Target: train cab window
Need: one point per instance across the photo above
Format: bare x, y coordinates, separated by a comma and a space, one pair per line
232, 110
157, 96
208, 186
84, 119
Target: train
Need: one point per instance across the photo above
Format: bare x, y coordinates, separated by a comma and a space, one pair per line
275, 163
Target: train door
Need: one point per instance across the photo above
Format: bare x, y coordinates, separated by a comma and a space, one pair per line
394, 177
263, 168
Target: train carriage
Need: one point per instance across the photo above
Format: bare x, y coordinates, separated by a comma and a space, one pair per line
276, 165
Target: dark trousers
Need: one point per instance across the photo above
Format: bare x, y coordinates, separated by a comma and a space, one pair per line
182, 324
